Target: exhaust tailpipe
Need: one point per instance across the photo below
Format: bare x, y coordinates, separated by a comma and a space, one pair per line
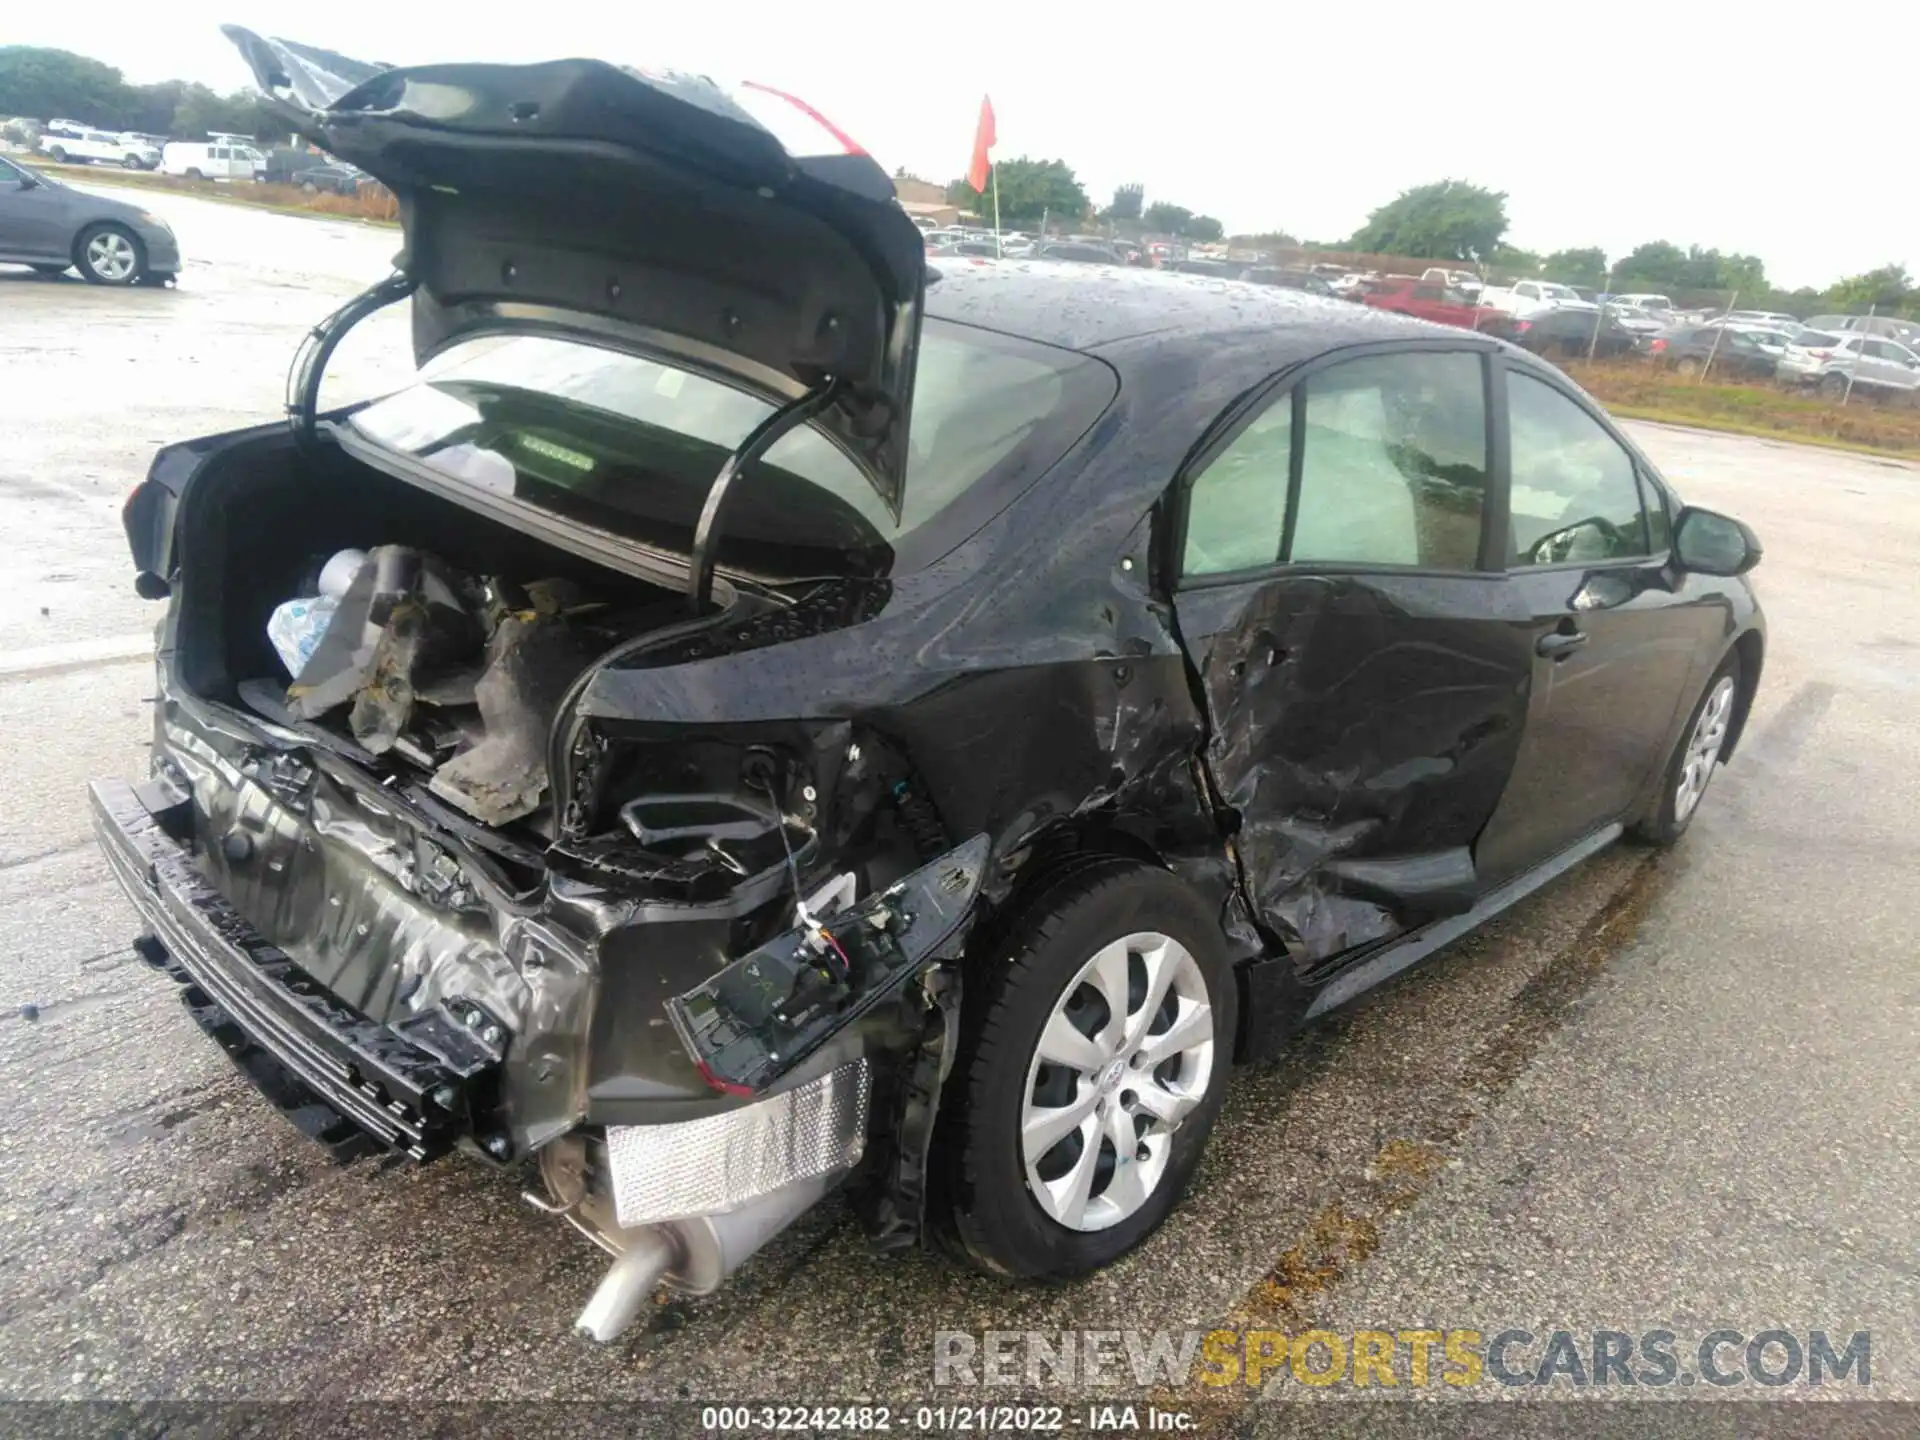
628, 1283
693, 1256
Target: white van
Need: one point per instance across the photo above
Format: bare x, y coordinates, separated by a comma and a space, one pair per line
212, 160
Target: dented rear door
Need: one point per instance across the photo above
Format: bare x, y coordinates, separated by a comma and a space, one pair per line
1365, 672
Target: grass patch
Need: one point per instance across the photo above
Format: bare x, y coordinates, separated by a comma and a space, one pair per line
374, 203
1648, 392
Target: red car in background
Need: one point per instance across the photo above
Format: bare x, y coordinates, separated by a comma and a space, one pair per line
1429, 300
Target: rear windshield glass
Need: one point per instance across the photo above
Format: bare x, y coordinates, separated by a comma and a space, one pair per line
630, 445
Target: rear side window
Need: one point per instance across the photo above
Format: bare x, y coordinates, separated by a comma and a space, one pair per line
1377, 461
1575, 495
630, 445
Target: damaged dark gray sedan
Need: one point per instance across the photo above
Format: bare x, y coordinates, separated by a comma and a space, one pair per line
760, 716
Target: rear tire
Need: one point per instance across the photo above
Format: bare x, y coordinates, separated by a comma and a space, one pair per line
1151, 1082
194, 174
131, 162
57, 154
1687, 366
1690, 768
1833, 387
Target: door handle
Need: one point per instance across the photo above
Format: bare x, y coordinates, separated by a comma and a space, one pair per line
1560, 643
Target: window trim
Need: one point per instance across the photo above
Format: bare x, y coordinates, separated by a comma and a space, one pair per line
1235, 419
1642, 470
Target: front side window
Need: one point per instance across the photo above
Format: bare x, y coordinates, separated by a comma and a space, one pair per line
1574, 497
1387, 466
631, 445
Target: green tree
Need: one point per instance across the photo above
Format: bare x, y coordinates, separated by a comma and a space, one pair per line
1888, 289
1165, 218
57, 84
1445, 220
1585, 265
1662, 265
1205, 228
150, 108
1509, 262
1655, 265
1029, 189
1266, 240
1127, 200
201, 112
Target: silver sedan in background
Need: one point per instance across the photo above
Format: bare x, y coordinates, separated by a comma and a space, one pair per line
54, 228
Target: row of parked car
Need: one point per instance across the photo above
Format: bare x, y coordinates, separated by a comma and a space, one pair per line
1835, 354
219, 157
1099, 250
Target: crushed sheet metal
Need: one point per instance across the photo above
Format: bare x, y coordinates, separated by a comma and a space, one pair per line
716, 1164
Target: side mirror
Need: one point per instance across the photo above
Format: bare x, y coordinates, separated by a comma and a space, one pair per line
1709, 543
28, 182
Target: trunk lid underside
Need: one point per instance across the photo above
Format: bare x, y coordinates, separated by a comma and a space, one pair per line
649, 211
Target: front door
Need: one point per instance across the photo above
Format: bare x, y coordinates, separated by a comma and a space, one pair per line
33, 219
1365, 674
1611, 644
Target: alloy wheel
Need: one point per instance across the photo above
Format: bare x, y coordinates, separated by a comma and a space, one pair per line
1126, 1054
111, 256
1703, 749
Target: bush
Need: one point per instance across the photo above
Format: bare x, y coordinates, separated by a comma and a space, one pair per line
1651, 392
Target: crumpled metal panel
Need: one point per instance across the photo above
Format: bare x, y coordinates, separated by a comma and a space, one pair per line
708, 1166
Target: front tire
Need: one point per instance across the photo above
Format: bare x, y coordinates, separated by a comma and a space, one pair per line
1690, 768
109, 255
1095, 1044
131, 162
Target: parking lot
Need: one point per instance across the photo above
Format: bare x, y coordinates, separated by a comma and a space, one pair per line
1673, 1092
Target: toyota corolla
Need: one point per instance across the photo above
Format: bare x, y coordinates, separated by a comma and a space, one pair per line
764, 714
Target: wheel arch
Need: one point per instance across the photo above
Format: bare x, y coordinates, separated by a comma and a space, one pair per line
1751, 647
1062, 852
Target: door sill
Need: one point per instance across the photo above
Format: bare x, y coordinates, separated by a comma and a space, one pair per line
1398, 955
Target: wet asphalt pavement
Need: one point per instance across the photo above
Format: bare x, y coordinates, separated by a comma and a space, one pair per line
1675, 1091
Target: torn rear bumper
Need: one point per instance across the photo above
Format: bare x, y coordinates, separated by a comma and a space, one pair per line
342, 1078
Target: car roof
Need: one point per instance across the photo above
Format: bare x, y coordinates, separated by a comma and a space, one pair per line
1105, 309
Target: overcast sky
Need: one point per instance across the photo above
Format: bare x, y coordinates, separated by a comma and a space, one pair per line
1787, 132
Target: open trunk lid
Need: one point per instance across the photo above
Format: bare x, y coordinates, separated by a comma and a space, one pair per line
646, 211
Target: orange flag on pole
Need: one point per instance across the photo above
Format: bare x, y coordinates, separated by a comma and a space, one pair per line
983, 140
